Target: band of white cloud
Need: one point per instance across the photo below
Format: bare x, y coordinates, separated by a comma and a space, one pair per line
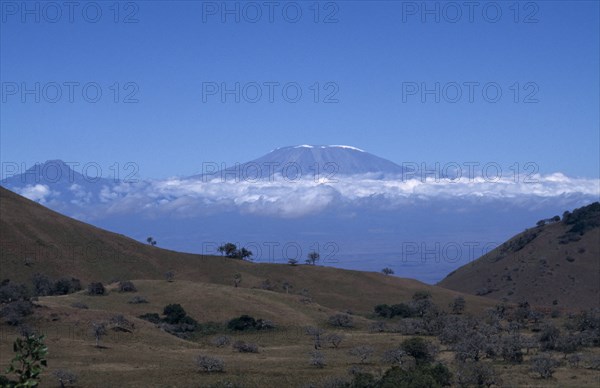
284, 198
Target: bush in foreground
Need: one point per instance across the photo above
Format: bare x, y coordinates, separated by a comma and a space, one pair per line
209, 364
127, 286
245, 347
96, 288
341, 320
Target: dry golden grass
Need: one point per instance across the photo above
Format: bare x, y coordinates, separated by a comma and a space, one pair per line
539, 272
149, 357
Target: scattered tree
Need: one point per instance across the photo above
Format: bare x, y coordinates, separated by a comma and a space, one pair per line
221, 341
65, 377
11, 292
316, 333
313, 257
393, 356
424, 375
231, 250
567, 344
341, 320
245, 347
228, 249
317, 359
96, 288
127, 286
120, 323
286, 286
42, 285
243, 322
293, 262
544, 365
237, 279
479, 374
511, 348
174, 313
387, 271
99, 331
209, 364
548, 336
377, 327
334, 339
471, 347
138, 299
418, 348
151, 241
243, 254
65, 285
574, 360
14, 313
458, 305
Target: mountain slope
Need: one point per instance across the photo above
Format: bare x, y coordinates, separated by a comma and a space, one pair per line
556, 263
308, 162
60, 246
56, 181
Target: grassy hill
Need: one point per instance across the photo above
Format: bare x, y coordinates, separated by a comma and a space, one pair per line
556, 263
34, 239
57, 245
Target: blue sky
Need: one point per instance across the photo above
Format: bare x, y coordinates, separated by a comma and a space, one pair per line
368, 56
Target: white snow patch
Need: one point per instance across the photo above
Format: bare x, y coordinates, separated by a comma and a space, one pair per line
345, 146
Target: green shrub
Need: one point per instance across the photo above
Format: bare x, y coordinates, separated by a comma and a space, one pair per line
241, 323
29, 360
174, 313
418, 348
151, 317
96, 288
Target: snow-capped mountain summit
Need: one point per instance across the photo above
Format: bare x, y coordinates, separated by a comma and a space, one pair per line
308, 162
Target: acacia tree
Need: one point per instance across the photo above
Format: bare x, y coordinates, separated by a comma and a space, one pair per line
228, 249
242, 254
458, 305
209, 364
313, 257
544, 364
334, 339
387, 271
237, 279
151, 241
393, 356
64, 377
99, 331
316, 334
286, 286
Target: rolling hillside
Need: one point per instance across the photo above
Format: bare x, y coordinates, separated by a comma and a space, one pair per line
556, 263
34, 239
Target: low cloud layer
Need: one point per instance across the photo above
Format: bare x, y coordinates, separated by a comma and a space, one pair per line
288, 199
